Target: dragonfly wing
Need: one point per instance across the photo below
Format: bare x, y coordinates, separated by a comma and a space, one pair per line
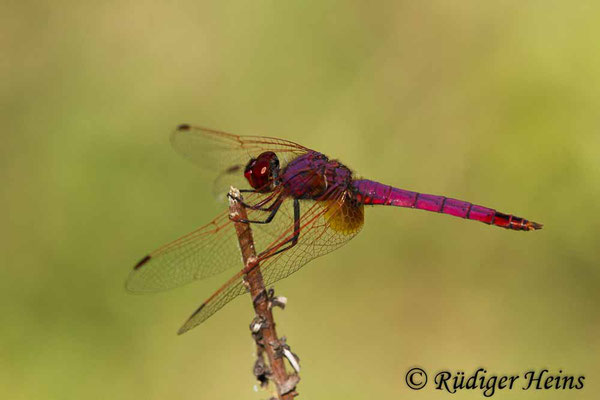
324, 227
201, 253
223, 156
232, 289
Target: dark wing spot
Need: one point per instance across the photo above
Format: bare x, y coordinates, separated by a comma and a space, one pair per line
233, 169
184, 328
142, 262
184, 127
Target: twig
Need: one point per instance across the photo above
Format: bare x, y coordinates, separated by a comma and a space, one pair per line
263, 325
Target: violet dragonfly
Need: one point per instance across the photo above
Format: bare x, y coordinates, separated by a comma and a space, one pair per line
300, 204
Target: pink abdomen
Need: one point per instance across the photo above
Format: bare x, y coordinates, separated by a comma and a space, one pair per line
375, 193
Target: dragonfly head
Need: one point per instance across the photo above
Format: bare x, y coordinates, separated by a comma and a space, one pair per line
262, 172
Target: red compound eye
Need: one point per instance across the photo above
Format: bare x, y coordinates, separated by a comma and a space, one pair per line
259, 171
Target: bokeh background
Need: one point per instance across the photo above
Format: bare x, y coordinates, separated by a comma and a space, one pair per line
493, 103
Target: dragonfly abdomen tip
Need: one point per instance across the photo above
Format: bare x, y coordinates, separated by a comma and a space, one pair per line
184, 127
534, 226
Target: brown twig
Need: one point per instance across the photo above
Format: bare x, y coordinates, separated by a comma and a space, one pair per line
263, 325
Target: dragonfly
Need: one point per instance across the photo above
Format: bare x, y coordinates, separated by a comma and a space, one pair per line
300, 204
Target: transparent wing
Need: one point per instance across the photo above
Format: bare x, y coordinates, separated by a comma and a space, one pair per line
208, 250
223, 156
204, 252
324, 227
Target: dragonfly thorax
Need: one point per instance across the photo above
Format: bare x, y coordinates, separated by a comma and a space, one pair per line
314, 176
262, 172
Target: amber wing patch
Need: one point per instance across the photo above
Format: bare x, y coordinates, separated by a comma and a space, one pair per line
345, 215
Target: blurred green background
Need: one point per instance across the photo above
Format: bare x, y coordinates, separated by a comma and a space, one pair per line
491, 103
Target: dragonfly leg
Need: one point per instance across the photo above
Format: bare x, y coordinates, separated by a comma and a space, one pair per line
258, 206
294, 239
273, 208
